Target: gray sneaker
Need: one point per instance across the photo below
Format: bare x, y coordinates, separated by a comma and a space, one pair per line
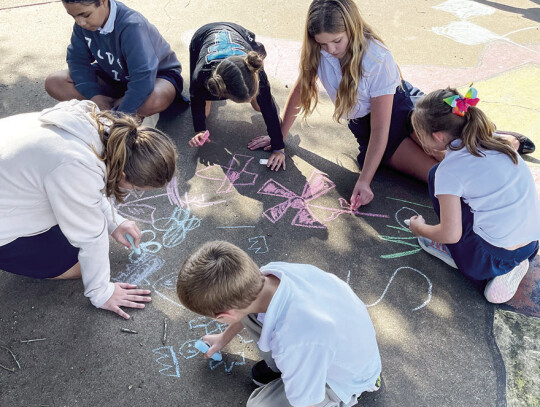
438, 250
502, 288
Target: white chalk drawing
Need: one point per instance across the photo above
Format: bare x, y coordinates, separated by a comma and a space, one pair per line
140, 271
258, 244
430, 286
167, 358
176, 226
227, 367
465, 9
165, 288
468, 33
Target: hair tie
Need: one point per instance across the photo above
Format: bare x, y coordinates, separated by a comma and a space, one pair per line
461, 105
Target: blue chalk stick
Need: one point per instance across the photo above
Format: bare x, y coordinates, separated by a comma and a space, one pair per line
132, 243
203, 347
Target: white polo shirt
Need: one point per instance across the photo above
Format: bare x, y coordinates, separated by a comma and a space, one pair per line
380, 76
319, 332
501, 195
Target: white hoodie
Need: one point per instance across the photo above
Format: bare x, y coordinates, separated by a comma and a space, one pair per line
50, 176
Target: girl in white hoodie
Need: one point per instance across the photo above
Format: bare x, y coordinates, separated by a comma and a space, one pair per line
57, 170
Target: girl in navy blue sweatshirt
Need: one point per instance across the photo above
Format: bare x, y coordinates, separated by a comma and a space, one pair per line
116, 59
227, 63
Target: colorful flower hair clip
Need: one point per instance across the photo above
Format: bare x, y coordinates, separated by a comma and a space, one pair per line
461, 105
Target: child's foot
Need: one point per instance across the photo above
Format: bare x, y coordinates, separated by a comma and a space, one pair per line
521, 143
503, 288
151, 121
438, 250
261, 374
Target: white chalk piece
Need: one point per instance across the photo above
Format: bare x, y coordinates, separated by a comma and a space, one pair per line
263, 161
407, 222
132, 243
203, 347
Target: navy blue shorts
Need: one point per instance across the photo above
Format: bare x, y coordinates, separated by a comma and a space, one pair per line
477, 259
117, 89
400, 125
46, 255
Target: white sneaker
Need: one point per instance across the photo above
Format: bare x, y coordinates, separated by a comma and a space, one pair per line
438, 250
151, 121
502, 288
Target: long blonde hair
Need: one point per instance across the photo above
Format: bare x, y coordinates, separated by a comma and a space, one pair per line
334, 16
145, 155
476, 132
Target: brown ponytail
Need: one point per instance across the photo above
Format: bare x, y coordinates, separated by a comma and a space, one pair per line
145, 155
431, 114
236, 77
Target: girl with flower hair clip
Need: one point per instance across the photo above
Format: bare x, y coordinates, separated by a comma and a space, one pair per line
483, 193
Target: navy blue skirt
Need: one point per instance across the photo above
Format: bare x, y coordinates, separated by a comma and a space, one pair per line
405, 98
46, 255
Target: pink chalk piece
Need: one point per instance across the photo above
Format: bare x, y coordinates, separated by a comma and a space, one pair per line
205, 138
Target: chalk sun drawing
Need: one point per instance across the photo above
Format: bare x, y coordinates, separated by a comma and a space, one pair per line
176, 226
236, 173
317, 185
258, 244
430, 286
167, 358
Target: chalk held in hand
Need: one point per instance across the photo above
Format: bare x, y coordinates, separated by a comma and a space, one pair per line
132, 243
407, 222
263, 161
203, 347
205, 138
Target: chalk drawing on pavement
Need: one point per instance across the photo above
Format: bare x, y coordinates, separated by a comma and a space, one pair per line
176, 226
258, 244
430, 286
168, 361
236, 173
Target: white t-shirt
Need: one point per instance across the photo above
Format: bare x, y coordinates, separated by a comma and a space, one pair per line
319, 332
380, 76
502, 195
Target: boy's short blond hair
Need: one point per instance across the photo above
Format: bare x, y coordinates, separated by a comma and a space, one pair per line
217, 277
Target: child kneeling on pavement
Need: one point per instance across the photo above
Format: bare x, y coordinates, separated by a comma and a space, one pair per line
314, 333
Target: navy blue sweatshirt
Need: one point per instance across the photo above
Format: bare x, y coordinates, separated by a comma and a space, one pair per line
132, 53
209, 46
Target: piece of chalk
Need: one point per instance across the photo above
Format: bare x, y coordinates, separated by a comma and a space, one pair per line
132, 243
204, 138
203, 347
407, 222
263, 161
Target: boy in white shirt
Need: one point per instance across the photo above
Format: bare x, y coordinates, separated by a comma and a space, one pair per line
316, 336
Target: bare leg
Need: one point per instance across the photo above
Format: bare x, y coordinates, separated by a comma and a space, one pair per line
72, 274
410, 159
61, 87
255, 105
160, 99
207, 108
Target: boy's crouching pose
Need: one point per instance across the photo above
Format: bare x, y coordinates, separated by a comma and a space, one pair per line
314, 333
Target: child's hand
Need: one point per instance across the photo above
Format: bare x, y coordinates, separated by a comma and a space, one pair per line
126, 295
130, 227
415, 223
276, 160
198, 139
260, 142
216, 342
362, 195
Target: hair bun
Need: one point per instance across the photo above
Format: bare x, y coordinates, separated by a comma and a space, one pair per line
253, 61
215, 85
